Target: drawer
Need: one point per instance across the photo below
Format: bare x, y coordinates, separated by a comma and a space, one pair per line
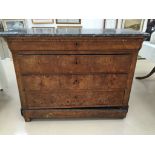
58, 82
47, 64
73, 43
74, 99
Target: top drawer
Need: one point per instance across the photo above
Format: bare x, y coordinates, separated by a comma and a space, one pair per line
73, 43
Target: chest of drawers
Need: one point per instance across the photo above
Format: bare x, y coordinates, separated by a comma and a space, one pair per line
74, 77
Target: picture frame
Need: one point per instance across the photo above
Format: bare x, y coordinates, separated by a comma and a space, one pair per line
69, 29
1, 26
43, 29
110, 23
135, 24
43, 21
13, 24
150, 28
69, 26
68, 21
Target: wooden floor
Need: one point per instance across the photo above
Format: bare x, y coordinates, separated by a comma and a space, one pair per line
140, 118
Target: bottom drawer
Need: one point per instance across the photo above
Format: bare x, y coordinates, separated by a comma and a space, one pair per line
74, 99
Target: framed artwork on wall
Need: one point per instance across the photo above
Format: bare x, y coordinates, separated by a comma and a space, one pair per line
110, 23
135, 24
69, 29
42, 21
69, 26
43, 29
1, 26
68, 21
13, 24
150, 28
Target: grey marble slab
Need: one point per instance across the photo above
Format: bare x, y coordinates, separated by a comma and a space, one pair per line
72, 32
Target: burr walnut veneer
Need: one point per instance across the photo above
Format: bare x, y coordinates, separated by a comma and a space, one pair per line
74, 76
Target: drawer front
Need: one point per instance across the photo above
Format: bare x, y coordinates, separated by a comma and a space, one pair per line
73, 43
45, 64
74, 99
59, 82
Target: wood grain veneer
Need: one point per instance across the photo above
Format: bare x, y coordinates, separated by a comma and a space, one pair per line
74, 77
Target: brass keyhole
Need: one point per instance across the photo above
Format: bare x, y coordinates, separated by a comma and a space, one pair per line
76, 44
76, 82
76, 61
75, 97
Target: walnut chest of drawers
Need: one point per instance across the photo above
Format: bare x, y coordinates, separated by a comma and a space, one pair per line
74, 76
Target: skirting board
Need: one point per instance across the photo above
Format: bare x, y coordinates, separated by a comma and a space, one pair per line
74, 113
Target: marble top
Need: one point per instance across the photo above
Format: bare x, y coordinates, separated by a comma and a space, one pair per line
71, 32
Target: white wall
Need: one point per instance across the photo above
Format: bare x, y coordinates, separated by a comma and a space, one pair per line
85, 23
92, 23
